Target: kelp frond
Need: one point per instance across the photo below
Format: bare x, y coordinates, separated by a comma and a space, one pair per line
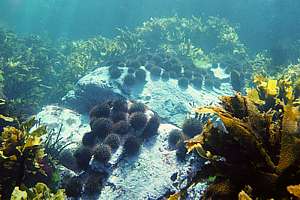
260, 148
20, 155
39, 192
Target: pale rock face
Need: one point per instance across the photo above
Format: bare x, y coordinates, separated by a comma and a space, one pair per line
163, 97
72, 124
148, 174
145, 176
155, 171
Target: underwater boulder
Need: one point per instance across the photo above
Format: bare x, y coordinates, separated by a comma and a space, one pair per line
164, 97
146, 175
94, 88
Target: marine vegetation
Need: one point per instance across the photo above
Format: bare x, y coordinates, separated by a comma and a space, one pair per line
255, 154
35, 70
39, 192
21, 156
5, 120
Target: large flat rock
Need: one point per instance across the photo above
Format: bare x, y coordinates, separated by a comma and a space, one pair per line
146, 176
171, 102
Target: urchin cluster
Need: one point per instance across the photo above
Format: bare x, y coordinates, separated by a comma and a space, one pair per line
134, 76
113, 124
165, 66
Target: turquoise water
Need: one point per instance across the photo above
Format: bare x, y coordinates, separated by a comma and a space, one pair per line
101, 97
261, 22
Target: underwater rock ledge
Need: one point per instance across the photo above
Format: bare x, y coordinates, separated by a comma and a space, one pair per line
164, 97
149, 175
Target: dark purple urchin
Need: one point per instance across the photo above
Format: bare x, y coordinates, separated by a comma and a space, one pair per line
118, 116
157, 58
174, 65
181, 150
138, 120
113, 140
73, 187
131, 145
93, 184
100, 110
114, 72
148, 66
197, 82
103, 153
102, 127
137, 107
121, 127
151, 127
192, 127
120, 105
89, 139
165, 75
130, 71
175, 136
174, 75
188, 73
129, 80
183, 82
83, 156
140, 75
133, 63
155, 71
67, 159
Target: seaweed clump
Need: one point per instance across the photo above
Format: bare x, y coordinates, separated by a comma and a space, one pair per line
39, 191
21, 154
256, 152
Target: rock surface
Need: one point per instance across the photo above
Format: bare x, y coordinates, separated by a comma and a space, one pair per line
146, 176
72, 124
171, 102
155, 171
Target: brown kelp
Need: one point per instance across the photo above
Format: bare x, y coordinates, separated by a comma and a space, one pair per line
39, 191
21, 154
258, 153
